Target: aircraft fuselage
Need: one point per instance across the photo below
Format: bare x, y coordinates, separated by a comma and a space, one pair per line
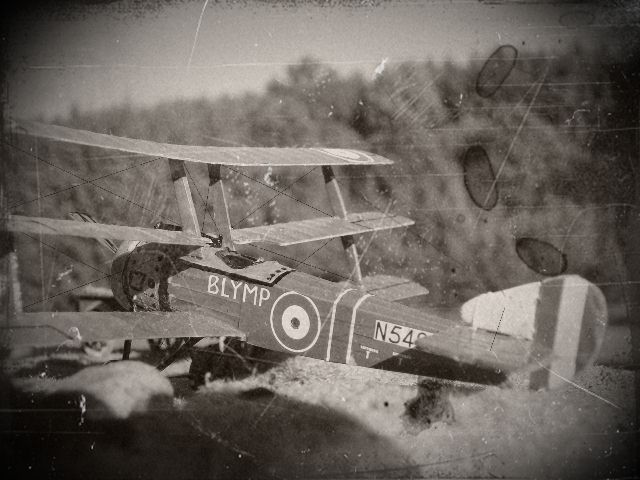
299, 314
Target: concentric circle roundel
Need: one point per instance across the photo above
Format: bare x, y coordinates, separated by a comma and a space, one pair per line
295, 322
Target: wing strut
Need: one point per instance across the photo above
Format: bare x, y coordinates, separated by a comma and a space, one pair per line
220, 207
10, 292
340, 210
188, 216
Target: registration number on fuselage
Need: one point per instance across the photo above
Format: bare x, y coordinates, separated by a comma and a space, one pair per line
397, 334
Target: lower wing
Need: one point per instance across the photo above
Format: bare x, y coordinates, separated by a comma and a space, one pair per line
57, 328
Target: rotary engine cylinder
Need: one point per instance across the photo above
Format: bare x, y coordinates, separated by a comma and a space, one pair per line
139, 276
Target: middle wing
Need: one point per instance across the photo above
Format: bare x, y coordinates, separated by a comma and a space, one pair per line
58, 328
56, 226
292, 233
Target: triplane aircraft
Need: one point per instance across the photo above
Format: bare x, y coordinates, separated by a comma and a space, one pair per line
178, 282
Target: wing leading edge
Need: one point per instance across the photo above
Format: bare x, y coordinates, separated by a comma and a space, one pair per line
235, 156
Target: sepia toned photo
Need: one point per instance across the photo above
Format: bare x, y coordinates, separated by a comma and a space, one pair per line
305, 239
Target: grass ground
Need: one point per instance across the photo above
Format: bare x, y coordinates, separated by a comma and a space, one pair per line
72, 416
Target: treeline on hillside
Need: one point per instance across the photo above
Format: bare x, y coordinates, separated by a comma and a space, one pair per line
488, 153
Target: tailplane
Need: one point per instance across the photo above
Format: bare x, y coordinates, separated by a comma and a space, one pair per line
564, 317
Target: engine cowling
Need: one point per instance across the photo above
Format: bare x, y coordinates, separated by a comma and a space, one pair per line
140, 273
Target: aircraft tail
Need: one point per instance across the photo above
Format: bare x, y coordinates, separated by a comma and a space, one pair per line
565, 318
85, 217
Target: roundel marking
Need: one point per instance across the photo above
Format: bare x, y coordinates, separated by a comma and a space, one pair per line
352, 156
295, 322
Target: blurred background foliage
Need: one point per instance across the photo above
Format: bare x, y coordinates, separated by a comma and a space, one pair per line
554, 131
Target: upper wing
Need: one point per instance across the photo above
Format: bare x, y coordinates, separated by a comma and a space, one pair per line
237, 156
56, 328
55, 226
